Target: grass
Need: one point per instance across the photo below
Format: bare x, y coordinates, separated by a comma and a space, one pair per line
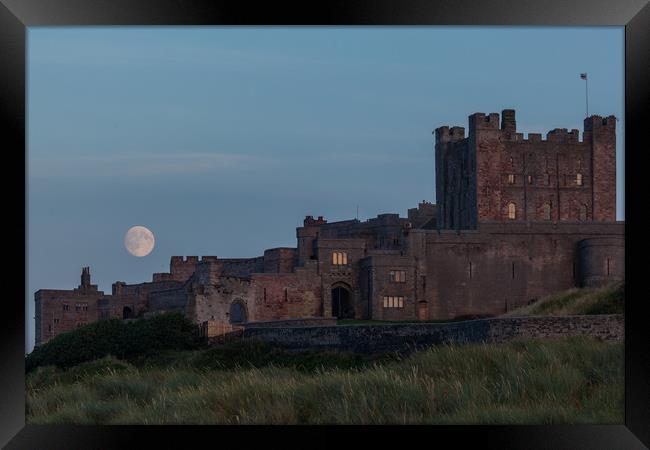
569, 380
604, 300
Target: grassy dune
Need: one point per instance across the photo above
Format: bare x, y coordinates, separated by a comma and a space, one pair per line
571, 380
605, 300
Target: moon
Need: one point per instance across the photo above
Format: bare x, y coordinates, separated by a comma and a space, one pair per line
139, 241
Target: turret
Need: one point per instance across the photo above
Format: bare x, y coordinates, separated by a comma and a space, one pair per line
85, 277
600, 133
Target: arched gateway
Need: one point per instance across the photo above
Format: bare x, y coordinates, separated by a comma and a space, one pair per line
342, 307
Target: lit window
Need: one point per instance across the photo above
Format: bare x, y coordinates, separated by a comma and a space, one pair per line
547, 211
339, 258
393, 302
397, 276
511, 179
579, 179
512, 211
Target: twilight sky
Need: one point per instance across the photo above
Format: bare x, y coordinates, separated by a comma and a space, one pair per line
221, 139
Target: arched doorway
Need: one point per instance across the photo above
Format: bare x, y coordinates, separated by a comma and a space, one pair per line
237, 312
127, 313
342, 303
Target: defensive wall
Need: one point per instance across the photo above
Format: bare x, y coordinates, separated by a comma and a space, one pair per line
401, 337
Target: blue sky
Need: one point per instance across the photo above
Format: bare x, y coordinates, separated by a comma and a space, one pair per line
221, 139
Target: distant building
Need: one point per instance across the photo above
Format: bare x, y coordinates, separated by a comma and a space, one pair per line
515, 219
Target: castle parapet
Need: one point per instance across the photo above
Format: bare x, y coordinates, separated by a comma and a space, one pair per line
481, 121
445, 134
311, 222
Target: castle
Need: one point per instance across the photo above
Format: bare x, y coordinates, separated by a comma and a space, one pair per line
515, 219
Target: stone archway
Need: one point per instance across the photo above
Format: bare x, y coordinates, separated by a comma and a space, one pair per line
127, 313
237, 313
342, 306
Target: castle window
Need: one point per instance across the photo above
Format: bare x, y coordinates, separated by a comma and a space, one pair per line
395, 240
77, 307
264, 294
470, 270
512, 211
339, 258
84, 306
393, 302
397, 276
286, 295
66, 307
49, 328
56, 320
530, 179
511, 179
583, 212
546, 211
579, 179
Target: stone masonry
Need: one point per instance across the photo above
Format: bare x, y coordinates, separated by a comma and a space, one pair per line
515, 219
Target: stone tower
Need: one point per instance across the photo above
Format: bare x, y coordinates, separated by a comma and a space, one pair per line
495, 175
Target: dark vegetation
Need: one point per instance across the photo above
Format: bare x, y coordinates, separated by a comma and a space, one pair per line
156, 371
130, 341
571, 381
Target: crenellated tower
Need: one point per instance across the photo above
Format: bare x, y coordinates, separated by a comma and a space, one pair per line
495, 175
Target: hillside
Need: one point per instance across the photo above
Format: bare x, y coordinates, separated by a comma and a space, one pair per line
560, 381
605, 300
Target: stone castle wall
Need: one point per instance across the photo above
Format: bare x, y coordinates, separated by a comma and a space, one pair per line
559, 178
403, 337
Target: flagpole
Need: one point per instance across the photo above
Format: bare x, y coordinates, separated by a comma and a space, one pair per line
587, 94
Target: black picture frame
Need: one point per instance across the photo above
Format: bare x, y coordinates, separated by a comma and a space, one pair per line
16, 15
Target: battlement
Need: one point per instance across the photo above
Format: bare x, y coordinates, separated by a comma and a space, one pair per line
563, 136
182, 267
178, 260
446, 134
310, 221
163, 276
481, 121
508, 122
593, 123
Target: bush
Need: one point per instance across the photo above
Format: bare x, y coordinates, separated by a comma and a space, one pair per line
125, 340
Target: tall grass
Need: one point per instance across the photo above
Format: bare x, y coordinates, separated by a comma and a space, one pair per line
609, 299
570, 380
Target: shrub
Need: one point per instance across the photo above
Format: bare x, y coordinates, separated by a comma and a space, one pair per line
124, 340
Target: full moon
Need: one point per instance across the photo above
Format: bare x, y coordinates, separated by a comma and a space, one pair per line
139, 241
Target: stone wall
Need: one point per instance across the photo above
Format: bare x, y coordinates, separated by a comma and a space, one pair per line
301, 322
502, 266
374, 338
557, 178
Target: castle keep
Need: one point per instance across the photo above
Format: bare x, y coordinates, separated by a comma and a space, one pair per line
515, 219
